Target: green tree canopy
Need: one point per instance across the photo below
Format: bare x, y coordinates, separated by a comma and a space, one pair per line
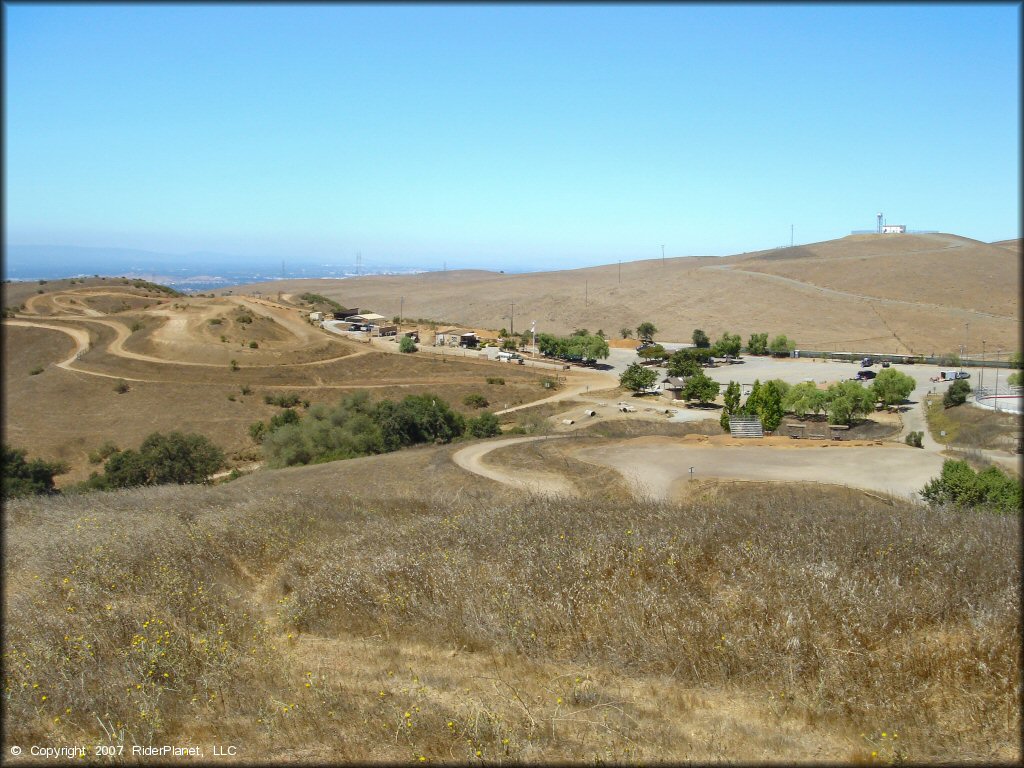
891, 387
177, 458
758, 344
727, 344
682, 364
700, 387
846, 400
646, 331
956, 394
700, 339
28, 478
804, 398
781, 346
637, 378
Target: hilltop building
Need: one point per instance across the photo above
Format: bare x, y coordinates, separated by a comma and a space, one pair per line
894, 229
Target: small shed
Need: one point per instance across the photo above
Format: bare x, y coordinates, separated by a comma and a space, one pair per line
673, 386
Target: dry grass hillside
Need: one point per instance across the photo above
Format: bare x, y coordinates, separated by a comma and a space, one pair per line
896, 293
71, 345
308, 615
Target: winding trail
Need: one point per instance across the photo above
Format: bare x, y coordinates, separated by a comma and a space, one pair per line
471, 459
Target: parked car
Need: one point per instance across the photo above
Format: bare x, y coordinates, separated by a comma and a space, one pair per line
867, 362
865, 375
885, 363
644, 346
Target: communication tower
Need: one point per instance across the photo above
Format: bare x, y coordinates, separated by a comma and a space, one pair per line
879, 229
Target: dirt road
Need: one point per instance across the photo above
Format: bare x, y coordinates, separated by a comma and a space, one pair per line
471, 458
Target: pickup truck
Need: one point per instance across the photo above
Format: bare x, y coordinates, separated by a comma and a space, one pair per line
511, 357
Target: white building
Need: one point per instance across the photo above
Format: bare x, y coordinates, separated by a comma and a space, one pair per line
894, 229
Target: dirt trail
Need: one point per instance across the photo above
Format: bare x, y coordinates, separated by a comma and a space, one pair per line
584, 382
471, 459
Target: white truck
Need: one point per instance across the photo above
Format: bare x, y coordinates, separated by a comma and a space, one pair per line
510, 357
953, 375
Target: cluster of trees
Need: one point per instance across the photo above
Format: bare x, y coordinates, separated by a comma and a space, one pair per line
960, 486
356, 427
731, 344
841, 402
175, 458
22, 477
581, 344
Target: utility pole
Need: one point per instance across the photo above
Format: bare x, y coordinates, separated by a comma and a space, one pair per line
401, 309
981, 383
995, 396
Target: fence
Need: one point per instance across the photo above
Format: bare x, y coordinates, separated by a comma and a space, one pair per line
946, 360
1004, 399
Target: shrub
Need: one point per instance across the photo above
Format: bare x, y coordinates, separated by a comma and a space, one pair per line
231, 397
246, 389
915, 439
475, 400
956, 394
233, 365
484, 425
962, 487
136, 326
406, 345
28, 478
162, 459
121, 387
257, 431
253, 345
243, 317
495, 380
36, 371
216, 321
1014, 379
700, 339
104, 452
284, 401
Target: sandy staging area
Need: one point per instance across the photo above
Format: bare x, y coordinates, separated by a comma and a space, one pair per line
659, 467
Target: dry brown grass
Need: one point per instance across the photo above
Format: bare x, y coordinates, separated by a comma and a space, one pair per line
967, 426
302, 620
938, 282
65, 414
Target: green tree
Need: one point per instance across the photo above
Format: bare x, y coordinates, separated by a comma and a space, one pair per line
700, 387
728, 344
847, 400
507, 343
28, 478
781, 346
732, 404
637, 378
700, 339
682, 364
484, 425
770, 405
162, 459
625, 332
758, 344
804, 398
646, 331
956, 394
406, 345
655, 352
1014, 379
891, 387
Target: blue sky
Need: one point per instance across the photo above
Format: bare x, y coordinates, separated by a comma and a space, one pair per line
506, 136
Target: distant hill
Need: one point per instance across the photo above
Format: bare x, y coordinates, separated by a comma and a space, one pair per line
883, 293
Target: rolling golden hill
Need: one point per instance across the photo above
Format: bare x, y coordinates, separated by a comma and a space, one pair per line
879, 293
